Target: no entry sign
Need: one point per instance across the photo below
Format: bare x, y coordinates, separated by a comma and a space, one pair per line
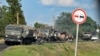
79, 16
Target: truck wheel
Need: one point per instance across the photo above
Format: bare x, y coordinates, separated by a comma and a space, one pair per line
40, 40
27, 41
8, 43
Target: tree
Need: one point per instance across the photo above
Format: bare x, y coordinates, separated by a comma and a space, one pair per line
3, 22
0, 12
40, 25
14, 8
65, 23
3, 10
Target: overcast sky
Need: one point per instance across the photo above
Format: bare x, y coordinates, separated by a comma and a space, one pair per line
43, 10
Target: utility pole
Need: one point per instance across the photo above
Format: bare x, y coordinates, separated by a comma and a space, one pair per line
53, 22
17, 18
0, 10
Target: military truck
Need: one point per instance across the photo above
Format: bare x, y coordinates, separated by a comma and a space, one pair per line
42, 34
63, 36
87, 36
18, 33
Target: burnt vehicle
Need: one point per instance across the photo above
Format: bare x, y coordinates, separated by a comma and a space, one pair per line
42, 34
64, 36
18, 33
87, 36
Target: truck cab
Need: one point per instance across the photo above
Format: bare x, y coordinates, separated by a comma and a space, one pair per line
18, 33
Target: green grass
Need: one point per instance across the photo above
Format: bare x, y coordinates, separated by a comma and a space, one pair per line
54, 49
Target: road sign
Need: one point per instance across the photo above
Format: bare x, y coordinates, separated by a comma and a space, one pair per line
79, 16
97, 30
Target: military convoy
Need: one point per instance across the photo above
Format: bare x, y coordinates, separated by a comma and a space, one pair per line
26, 35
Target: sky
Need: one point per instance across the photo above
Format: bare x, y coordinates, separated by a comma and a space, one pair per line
43, 11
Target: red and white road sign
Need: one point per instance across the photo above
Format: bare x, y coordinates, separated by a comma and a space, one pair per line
79, 16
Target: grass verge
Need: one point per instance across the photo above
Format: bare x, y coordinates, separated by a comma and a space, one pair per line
54, 49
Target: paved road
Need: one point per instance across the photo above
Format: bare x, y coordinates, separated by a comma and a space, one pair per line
2, 46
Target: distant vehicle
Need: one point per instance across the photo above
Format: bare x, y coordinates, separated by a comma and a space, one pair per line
87, 36
94, 37
41, 34
64, 36
18, 33
45, 34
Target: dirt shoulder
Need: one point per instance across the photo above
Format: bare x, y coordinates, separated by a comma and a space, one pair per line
1, 40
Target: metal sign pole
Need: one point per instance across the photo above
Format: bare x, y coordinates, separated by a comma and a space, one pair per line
76, 44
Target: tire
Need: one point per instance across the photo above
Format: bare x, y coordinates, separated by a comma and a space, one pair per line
27, 41
40, 41
8, 43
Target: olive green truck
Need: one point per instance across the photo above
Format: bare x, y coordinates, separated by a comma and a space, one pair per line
18, 33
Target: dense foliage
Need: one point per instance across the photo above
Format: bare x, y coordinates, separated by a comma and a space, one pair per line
8, 14
41, 25
14, 8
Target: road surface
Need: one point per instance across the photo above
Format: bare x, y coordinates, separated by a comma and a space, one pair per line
2, 46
